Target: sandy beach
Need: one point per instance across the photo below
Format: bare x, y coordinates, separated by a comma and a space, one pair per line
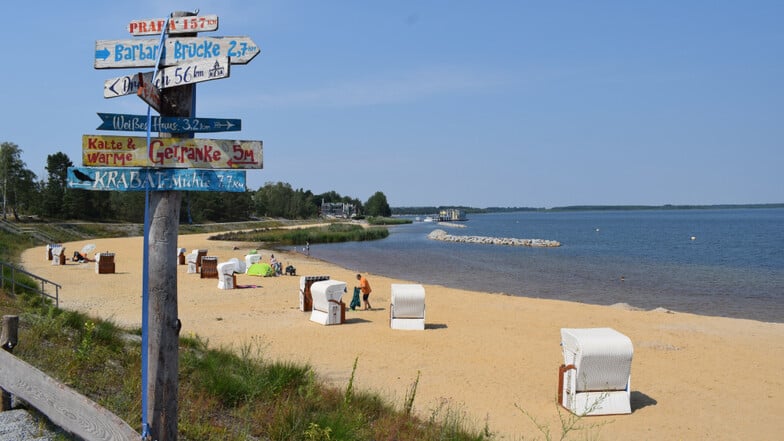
693, 377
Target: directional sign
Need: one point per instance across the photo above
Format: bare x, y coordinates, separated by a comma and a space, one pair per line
167, 124
240, 49
177, 25
193, 72
125, 85
149, 93
143, 52
124, 151
126, 53
156, 179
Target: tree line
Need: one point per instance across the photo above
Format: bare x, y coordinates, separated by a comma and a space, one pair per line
23, 194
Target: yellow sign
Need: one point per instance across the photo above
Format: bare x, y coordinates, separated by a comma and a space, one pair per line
132, 151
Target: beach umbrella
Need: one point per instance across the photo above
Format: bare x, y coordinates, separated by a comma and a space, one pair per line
87, 248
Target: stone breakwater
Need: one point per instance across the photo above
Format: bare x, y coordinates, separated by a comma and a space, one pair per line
442, 235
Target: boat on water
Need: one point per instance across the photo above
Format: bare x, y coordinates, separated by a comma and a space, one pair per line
428, 219
452, 214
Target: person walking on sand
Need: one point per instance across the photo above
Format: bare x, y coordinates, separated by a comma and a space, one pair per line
364, 286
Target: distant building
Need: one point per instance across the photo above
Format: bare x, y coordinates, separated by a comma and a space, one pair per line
339, 210
451, 214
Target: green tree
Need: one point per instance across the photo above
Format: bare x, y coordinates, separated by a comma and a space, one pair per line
12, 172
377, 205
56, 184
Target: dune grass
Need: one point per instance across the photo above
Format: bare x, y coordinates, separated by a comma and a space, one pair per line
225, 394
332, 233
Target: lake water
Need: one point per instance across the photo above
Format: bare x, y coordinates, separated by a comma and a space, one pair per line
733, 266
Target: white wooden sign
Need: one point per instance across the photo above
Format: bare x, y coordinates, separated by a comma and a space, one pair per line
125, 85
143, 52
193, 72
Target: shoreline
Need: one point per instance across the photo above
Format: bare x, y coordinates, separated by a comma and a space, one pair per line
485, 355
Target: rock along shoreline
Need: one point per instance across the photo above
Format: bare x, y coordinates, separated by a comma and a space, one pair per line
510, 241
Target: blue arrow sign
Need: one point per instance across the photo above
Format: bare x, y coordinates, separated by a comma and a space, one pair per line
159, 179
167, 124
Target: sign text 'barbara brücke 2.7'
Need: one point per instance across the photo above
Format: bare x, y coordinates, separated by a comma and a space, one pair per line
132, 151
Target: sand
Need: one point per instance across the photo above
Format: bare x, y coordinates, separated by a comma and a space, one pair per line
485, 354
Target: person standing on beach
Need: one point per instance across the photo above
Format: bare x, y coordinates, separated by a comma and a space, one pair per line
364, 286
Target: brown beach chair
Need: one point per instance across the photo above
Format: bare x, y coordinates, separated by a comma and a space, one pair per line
200, 254
209, 267
104, 263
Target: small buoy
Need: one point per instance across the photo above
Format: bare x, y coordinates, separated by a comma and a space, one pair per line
694, 238
597, 229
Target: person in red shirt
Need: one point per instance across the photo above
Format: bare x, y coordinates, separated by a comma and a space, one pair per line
364, 286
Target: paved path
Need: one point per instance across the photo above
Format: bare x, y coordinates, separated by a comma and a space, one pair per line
20, 425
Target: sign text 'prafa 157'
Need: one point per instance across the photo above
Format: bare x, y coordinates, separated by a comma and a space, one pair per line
177, 25
124, 151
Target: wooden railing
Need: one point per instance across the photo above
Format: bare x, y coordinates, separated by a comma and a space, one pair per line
16, 282
63, 406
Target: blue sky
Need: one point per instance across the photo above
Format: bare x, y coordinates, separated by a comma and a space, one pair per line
503, 103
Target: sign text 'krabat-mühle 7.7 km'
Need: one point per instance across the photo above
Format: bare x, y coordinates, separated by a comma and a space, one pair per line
125, 151
155, 179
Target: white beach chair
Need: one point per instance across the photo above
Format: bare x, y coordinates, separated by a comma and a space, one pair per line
250, 259
49, 248
407, 308
226, 276
328, 308
58, 255
191, 260
596, 375
305, 297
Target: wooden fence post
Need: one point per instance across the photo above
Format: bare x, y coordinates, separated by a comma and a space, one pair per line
8, 340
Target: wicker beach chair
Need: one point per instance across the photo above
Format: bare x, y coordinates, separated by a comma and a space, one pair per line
328, 308
104, 263
209, 267
227, 273
596, 374
250, 259
407, 307
58, 255
305, 296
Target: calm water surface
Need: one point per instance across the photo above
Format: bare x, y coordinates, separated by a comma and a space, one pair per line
733, 266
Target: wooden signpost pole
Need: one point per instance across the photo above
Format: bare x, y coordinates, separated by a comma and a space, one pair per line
164, 324
117, 167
